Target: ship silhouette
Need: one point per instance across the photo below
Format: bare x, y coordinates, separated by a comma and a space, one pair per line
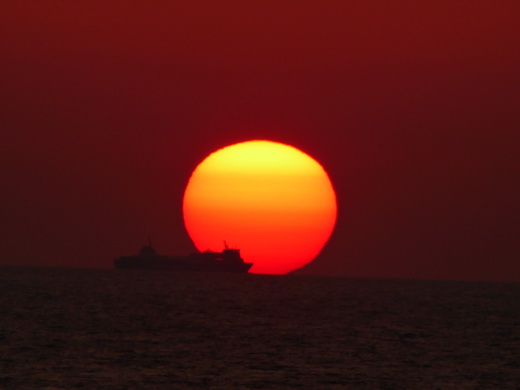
229, 260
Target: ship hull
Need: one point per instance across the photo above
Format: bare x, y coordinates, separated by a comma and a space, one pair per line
181, 264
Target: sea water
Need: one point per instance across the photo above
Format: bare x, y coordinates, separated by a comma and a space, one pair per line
119, 329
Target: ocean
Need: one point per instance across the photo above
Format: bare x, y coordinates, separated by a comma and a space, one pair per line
119, 329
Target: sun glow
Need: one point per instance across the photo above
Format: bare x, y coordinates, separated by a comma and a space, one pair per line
270, 200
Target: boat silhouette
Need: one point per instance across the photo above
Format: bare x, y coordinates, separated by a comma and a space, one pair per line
229, 260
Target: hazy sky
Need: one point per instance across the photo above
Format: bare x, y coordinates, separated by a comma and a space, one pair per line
412, 107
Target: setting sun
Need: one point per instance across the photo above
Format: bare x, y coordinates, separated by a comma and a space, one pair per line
270, 200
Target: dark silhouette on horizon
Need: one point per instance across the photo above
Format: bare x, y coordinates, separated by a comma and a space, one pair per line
229, 260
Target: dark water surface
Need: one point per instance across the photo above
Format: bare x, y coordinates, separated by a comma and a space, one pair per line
77, 328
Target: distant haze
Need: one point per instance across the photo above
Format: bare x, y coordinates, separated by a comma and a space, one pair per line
106, 107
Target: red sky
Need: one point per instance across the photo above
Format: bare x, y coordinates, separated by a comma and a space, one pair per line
107, 106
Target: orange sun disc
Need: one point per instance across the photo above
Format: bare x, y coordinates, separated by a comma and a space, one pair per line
272, 201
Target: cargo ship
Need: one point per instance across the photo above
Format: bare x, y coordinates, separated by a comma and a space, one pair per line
229, 260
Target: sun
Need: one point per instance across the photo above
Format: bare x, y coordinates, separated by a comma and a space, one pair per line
270, 200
